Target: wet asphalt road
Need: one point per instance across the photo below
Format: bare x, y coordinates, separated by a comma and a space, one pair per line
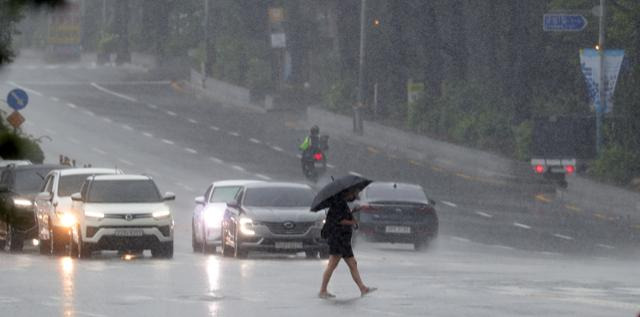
504, 249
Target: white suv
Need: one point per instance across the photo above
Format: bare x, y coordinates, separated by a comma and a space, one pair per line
124, 213
53, 205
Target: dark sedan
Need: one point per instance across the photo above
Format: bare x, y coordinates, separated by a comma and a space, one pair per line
396, 213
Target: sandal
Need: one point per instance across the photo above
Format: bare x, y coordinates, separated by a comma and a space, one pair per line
325, 295
368, 290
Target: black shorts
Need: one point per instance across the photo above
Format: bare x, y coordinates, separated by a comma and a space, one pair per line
340, 246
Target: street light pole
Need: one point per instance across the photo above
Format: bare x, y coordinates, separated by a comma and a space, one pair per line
357, 109
602, 80
205, 31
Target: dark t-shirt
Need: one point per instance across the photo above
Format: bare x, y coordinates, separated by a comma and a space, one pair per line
338, 211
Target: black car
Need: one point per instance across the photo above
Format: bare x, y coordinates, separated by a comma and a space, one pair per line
396, 213
18, 187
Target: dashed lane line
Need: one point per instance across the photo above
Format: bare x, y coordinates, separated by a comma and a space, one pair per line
111, 92
355, 173
483, 214
24, 88
299, 156
123, 161
152, 106
107, 120
605, 246
54, 99
331, 166
147, 134
214, 128
277, 148
89, 113
126, 127
373, 150
450, 204
99, 151
415, 163
600, 216
190, 150
238, 168
168, 142
500, 246
543, 198
192, 121
521, 225
72, 106
562, 236
216, 160
256, 141
437, 168
232, 133
265, 177
460, 239
171, 113
573, 207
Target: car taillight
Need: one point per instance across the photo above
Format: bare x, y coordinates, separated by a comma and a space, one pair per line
318, 156
570, 169
425, 209
539, 169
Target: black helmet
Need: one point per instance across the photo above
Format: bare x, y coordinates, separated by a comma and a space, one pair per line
315, 130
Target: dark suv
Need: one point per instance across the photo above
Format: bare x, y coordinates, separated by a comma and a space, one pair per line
18, 187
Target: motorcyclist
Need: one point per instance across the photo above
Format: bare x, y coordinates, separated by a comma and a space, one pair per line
311, 141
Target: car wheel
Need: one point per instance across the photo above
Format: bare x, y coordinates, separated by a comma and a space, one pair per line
311, 254
194, 242
44, 247
15, 240
163, 250
83, 249
238, 251
56, 245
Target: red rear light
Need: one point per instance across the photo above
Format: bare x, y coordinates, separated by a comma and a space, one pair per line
539, 169
570, 169
318, 156
425, 209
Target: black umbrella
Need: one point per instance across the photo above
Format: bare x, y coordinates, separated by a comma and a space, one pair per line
336, 187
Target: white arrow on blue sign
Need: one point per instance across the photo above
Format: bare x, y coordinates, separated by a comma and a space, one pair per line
563, 22
17, 99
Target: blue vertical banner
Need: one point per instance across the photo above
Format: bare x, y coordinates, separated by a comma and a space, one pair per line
590, 65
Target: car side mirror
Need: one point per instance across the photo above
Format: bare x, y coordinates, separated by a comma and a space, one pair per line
432, 202
76, 197
169, 196
200, 200
234, 204
46, 196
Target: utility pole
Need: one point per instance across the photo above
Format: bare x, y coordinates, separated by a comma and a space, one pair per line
205, 31
357, 109
602, 80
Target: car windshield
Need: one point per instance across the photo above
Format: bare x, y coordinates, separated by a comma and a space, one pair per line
278, 197
29, 180
224, 194
123, 191
70, 184
388, 193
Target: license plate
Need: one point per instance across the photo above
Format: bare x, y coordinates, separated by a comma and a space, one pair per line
129, 233
288, 245
397, 229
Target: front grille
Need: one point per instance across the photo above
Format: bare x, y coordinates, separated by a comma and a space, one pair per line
281, 227
125, 216
165, 230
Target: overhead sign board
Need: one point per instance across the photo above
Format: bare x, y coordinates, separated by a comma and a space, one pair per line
17, 99
563, 22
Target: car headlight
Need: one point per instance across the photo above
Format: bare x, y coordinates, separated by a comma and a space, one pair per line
68, 220
212, 218
320, 223
246, 226
21, 202
161, 214
94, 214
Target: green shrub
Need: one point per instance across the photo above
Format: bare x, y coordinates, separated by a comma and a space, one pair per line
15, 147
523, 136
616, 165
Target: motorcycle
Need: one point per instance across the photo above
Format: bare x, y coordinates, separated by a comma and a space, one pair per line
314, 160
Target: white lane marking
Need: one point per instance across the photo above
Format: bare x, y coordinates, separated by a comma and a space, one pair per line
483, 214
107, 120
256, 141
605, 246
99, 151
238, 168
168, 141
265, 177
49, 131
171, 113
450, 204
521, 225
24, 88
147, 134
125, 97
355, 173
232, 133
74, 141
216, 160
299, 156
72, 106
214, 128
562, 236
277, 148
460, 239
54, 99
89, 113
190, 150
550, 253
500, 246
331, 166
192, 121
125, 162
152, 106
126, 127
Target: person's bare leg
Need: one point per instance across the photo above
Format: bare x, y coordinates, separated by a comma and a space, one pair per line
355, 274
331, 266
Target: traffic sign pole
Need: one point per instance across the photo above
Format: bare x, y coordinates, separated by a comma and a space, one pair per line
602, 80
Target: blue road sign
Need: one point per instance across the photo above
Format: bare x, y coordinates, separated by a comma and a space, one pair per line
17, 99
564, 22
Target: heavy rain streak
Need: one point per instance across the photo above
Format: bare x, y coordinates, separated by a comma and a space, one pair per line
319, 158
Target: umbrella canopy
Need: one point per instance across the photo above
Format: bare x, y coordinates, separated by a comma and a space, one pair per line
336, 187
